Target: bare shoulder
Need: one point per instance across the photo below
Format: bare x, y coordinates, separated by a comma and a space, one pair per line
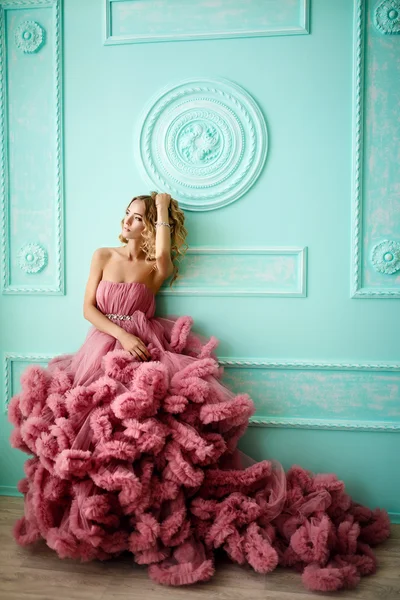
101, 255
103, 251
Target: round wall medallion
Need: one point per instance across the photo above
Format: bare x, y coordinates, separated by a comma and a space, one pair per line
32, 258
29, 36
386, 256
387, 16
203, 141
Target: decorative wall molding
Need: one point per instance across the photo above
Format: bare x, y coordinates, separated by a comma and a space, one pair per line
386, 256
29, 36
357, 288
203, 141
14, 279
345, 405
387, 16
32, 258
240, 363
132, 22
258, 420
241, 272
9, 359
340, 425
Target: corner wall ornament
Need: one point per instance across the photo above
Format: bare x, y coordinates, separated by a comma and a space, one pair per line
29, 36
204, 141
32, 258
387, 16
386, 257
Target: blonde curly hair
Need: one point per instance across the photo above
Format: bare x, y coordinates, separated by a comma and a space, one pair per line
176, 219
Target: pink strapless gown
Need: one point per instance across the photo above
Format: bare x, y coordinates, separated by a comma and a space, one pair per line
141, 457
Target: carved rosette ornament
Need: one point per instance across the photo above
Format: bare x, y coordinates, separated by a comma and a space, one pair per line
386, 257
29, 36
387, 16
202, 141
32, 258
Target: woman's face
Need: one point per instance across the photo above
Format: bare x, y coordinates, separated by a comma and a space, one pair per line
133, 220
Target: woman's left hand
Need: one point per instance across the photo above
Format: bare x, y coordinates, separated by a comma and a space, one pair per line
163, 200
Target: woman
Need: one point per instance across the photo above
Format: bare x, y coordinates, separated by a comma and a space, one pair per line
134, 442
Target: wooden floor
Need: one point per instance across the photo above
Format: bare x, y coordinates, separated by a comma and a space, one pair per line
36, 573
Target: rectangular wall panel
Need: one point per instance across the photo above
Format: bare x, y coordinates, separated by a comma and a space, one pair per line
241, 272
376, 158
31, 169
132, 21
319, 395
363, 397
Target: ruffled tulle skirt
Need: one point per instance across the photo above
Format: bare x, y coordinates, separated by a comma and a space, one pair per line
143, 457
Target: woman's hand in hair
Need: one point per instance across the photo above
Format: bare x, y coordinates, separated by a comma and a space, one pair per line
163, 200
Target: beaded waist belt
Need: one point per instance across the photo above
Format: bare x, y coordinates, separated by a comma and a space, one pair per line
120, 317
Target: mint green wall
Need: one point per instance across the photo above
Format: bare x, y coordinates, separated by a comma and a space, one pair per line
293, 276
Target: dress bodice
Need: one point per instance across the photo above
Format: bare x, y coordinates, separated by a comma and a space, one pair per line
125, 298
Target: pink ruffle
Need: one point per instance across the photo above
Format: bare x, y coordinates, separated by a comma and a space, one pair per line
142, 457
